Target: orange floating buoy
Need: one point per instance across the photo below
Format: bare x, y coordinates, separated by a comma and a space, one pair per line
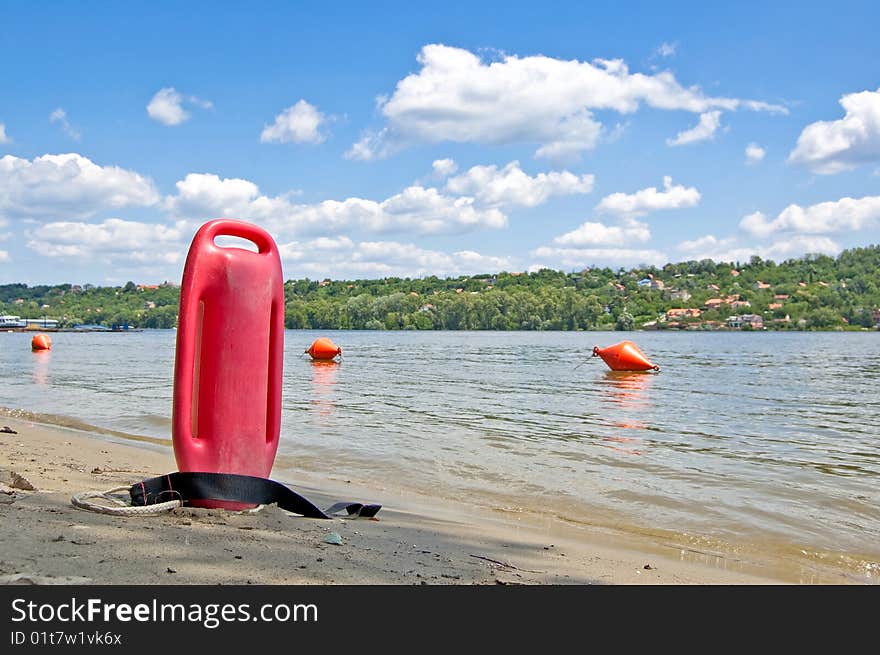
625, 356
41, 342
323, 349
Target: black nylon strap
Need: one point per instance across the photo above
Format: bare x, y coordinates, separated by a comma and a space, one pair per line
189, 486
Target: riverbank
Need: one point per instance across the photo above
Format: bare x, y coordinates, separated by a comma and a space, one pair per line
46, 540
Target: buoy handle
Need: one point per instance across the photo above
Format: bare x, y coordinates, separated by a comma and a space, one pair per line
595, 351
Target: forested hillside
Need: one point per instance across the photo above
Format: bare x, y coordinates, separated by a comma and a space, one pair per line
813, 292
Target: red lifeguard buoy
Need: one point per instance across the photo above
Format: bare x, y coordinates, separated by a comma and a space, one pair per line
625, 356
323, 349
226, 415
41, 342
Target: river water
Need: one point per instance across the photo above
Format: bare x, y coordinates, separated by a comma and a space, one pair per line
759, 446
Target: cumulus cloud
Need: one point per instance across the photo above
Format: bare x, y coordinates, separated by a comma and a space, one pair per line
416, 209
705, 129
567, 258
511, 186
112, 239
343, 258
68, 184
60, 116
3, 136
456, 96
828, 147
649, 200
844, 215
299, 123
444, 167
704, 244
730, 250
4, 257
754, 153
167, 106
599, 234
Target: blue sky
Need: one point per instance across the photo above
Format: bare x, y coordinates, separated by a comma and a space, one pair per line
413, 139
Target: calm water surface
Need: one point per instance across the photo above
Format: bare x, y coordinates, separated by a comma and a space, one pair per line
744, 442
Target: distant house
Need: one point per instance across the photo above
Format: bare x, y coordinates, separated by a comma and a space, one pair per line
802, 284
714, 303
734, 272
875, 316
754, 321
761, 285
689, 312
651, 283
682, 294
780, 296
740, 304
714, 287
774, 305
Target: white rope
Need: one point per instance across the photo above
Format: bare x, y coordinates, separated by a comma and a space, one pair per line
120, 508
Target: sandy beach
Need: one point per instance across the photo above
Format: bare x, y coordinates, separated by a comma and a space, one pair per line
46, 540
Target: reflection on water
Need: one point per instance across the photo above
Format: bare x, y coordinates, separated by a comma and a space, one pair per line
630, 393
324, 375
629, 389
40, 373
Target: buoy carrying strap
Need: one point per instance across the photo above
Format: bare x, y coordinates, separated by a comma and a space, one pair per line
189, 486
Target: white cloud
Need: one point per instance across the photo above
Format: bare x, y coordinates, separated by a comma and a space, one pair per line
828, 147
341, 258
846, 214
729, 250
416, 209
456, 96
444, 168
112, 239
70, 185
599, 234
666, 49
705, 129
754, 153
299, 123
3, 136
704, 244
60, 116
511, 186
567, 258
649, 200
167, 106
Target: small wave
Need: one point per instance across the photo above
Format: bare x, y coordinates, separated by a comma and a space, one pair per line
71, 423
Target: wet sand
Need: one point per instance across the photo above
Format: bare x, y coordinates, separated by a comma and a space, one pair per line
44, 539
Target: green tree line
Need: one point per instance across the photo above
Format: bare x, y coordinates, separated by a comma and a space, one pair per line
815, 292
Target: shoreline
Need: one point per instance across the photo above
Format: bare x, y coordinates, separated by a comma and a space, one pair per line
416, 539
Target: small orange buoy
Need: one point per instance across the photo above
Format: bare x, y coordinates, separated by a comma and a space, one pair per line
41, 342
323, 349
625, 356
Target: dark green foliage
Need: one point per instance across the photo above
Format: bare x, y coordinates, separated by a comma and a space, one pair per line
818, 293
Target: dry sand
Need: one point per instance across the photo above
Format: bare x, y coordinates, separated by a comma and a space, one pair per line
44, 539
